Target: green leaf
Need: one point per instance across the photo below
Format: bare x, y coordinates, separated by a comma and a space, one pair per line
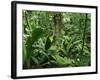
63, 60
36, 34
48, 43
35, 60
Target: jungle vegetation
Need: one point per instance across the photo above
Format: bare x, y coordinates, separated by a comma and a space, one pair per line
56, 39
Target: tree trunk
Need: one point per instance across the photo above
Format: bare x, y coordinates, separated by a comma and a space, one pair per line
57, 18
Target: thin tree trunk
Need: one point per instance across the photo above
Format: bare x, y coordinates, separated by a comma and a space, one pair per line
84, 31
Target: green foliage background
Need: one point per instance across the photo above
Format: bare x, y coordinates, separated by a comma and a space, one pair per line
56, 39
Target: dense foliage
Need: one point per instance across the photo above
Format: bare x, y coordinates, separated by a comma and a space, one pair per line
56, 39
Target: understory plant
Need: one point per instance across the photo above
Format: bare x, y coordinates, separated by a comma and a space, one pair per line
55, 39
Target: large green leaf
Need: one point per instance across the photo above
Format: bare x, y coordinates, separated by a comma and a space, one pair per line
62, 60
48, 43
35, 60
36, 34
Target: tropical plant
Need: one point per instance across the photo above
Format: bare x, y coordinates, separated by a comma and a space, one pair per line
56, 39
